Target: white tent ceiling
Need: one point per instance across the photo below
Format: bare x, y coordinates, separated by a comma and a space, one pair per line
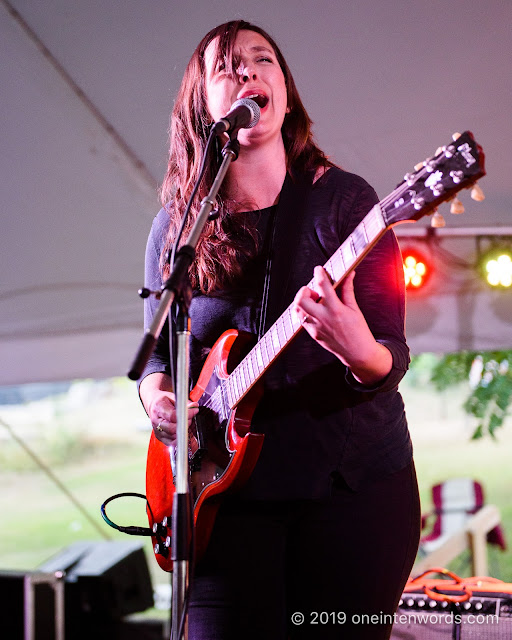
87, 87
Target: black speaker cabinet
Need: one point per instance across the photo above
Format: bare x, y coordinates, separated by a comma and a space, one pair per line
84, 591
104, 579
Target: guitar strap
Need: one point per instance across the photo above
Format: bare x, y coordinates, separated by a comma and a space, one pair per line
285, 230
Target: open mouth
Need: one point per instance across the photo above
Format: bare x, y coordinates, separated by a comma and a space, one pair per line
259, 99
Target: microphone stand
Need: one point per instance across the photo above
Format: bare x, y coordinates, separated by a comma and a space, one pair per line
178, 288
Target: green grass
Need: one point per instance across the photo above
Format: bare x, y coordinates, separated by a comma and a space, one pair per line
105, 454
443, 449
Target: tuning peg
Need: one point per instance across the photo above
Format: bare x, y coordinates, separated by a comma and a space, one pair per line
456, 136
449, 151
477, 193
437, 220
438, 151
418, 166
456, 206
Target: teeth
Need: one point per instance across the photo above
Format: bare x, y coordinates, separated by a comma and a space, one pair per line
260, 99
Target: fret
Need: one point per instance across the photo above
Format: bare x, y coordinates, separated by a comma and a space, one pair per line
328, 266
265, 351
258, 367
359, 239
293, 320
338, 267
239, 383
241, 380
270, 345
234, 378
229, 392
248, 368
259, 357
250, 377
374, 223
244, 372
275, 339
347, 253
287, 328
281, 333
252, 365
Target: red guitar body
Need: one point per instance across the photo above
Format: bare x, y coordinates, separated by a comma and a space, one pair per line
224, 464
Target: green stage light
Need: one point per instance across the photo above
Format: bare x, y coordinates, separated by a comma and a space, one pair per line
498, 269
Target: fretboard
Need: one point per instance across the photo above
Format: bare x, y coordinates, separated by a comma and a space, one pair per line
286, 327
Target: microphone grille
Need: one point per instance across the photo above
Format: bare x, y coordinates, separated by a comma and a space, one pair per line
254, 108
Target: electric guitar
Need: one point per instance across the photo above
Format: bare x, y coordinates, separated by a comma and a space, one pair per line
223, 451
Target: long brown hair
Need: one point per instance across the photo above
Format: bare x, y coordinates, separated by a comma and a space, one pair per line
229, 240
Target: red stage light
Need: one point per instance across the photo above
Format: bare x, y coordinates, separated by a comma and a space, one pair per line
416, 269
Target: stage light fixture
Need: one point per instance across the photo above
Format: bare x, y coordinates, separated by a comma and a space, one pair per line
416, 269
497, 267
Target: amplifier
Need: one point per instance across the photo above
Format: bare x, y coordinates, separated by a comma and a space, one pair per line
477, 608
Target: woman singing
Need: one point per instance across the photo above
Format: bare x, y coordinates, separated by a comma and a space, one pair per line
320, 540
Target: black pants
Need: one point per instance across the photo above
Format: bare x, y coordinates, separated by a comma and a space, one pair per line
309, 569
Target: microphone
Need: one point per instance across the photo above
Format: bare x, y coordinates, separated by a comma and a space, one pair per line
244, 114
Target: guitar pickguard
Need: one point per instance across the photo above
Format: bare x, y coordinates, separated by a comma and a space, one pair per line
212, 457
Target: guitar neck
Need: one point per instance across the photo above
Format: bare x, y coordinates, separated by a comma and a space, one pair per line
456, 166
286, 327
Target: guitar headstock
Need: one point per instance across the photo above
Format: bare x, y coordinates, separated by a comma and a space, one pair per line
455, 166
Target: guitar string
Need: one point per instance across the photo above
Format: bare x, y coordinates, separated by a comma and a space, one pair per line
276, 333
242, 373
250, 362
219, 400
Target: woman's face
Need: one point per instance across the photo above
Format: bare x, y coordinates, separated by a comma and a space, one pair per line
258, 76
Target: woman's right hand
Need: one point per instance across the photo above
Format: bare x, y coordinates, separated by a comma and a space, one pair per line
160, 405
162, 412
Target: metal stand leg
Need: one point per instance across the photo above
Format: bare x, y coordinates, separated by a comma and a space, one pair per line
56, 582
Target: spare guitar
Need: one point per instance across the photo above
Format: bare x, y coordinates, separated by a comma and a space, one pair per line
223, 451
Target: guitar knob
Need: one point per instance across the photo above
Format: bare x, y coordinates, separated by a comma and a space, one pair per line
477, 193
161, 550
437, 220
456, 207
159, 529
